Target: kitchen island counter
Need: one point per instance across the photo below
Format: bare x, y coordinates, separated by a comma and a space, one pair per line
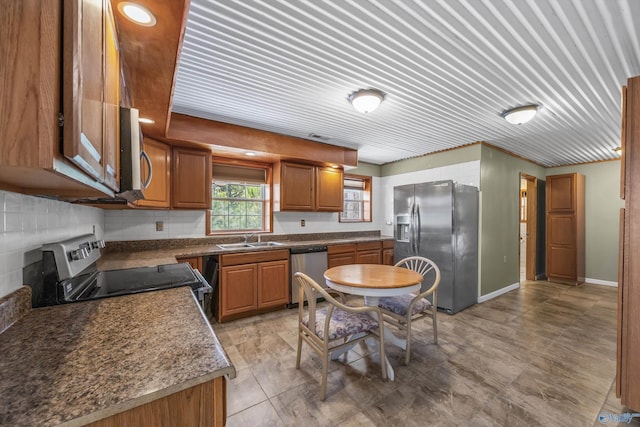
78, 363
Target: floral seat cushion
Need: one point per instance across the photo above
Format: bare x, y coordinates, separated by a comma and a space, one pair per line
342, 323
400, 304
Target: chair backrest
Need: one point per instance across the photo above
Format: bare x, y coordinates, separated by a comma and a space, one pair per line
429, 270
312, 290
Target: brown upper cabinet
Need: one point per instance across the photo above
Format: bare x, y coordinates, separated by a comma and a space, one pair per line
302, 187
41, 71
190, 179
91, 99
157, 194
565, 228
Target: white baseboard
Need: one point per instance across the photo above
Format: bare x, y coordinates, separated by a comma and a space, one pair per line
601, 282
491, 295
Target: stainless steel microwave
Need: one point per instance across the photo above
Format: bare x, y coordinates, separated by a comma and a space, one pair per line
132, 154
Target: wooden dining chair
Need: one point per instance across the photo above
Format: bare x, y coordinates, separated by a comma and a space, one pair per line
334, 325
402, 311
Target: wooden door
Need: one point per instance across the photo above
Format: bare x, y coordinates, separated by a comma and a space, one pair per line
238, 289
532, 229
297, 187
83, 85
629, 287
329, 189
561, 196
157, 194
387, 252
111, 135
371, 256
273, 283
191, 179
565, 228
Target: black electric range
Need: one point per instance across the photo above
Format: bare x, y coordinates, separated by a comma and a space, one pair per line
70, 275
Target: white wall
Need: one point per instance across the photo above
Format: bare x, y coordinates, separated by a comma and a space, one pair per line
26, 223
140, 224
467, 173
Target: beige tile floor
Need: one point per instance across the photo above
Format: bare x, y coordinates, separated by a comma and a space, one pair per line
540, 355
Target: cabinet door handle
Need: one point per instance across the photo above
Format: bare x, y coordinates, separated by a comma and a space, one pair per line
147, 182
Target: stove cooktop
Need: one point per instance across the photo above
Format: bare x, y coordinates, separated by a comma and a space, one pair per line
103, 284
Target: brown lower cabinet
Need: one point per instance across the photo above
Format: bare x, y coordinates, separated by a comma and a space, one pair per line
194, 262
387, 252
200, 405
252, 283
360, 253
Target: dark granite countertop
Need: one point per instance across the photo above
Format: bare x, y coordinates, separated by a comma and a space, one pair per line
77, 363
155, 254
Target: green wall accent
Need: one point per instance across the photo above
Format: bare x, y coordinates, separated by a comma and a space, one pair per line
430, 161
602, 216
500, 217
366, 169
499, 233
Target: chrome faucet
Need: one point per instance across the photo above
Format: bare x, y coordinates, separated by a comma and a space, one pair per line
246, 237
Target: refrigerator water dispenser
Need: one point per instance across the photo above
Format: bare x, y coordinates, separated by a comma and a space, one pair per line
402, 228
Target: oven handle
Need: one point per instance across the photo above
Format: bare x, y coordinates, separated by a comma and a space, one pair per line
204, 289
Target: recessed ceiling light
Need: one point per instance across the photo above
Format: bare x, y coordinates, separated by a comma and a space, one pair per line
366, 100
146, 121
137, 13
522, 114
250, 154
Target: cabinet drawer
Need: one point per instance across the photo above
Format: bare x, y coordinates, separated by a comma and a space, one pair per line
338, 249
253, 257
367, 246
387, 244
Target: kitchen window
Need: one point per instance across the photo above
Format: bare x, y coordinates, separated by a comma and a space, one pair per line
356, 205
240, 198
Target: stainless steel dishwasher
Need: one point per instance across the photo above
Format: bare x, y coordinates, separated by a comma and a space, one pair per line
311, 261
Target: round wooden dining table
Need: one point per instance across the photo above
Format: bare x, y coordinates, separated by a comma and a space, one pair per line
374, 281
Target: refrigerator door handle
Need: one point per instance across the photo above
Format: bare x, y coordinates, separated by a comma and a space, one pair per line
412, 238
417, 229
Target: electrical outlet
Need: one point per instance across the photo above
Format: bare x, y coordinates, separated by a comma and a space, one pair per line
302, 223
505, 259
159, 225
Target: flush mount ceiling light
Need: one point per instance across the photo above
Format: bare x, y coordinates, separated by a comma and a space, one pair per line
366, 100
522, 114
136, 13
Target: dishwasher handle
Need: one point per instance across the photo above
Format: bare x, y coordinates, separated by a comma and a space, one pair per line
308, 250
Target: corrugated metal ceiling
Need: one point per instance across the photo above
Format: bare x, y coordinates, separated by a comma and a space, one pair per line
448, 69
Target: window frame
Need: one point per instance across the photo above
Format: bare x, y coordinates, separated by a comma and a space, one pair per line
367, 200
267, 203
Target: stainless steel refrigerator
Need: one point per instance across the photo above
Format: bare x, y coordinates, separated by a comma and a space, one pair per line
439, 220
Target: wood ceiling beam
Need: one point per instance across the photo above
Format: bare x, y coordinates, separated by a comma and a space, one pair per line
188, 128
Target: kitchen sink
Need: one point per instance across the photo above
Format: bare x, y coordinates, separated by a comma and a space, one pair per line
263, 244
249, 245
235, 246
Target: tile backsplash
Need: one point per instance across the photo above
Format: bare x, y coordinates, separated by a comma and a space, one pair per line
141, 224
28, 222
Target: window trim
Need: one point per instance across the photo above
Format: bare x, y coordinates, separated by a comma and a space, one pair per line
267, 203
367, 201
